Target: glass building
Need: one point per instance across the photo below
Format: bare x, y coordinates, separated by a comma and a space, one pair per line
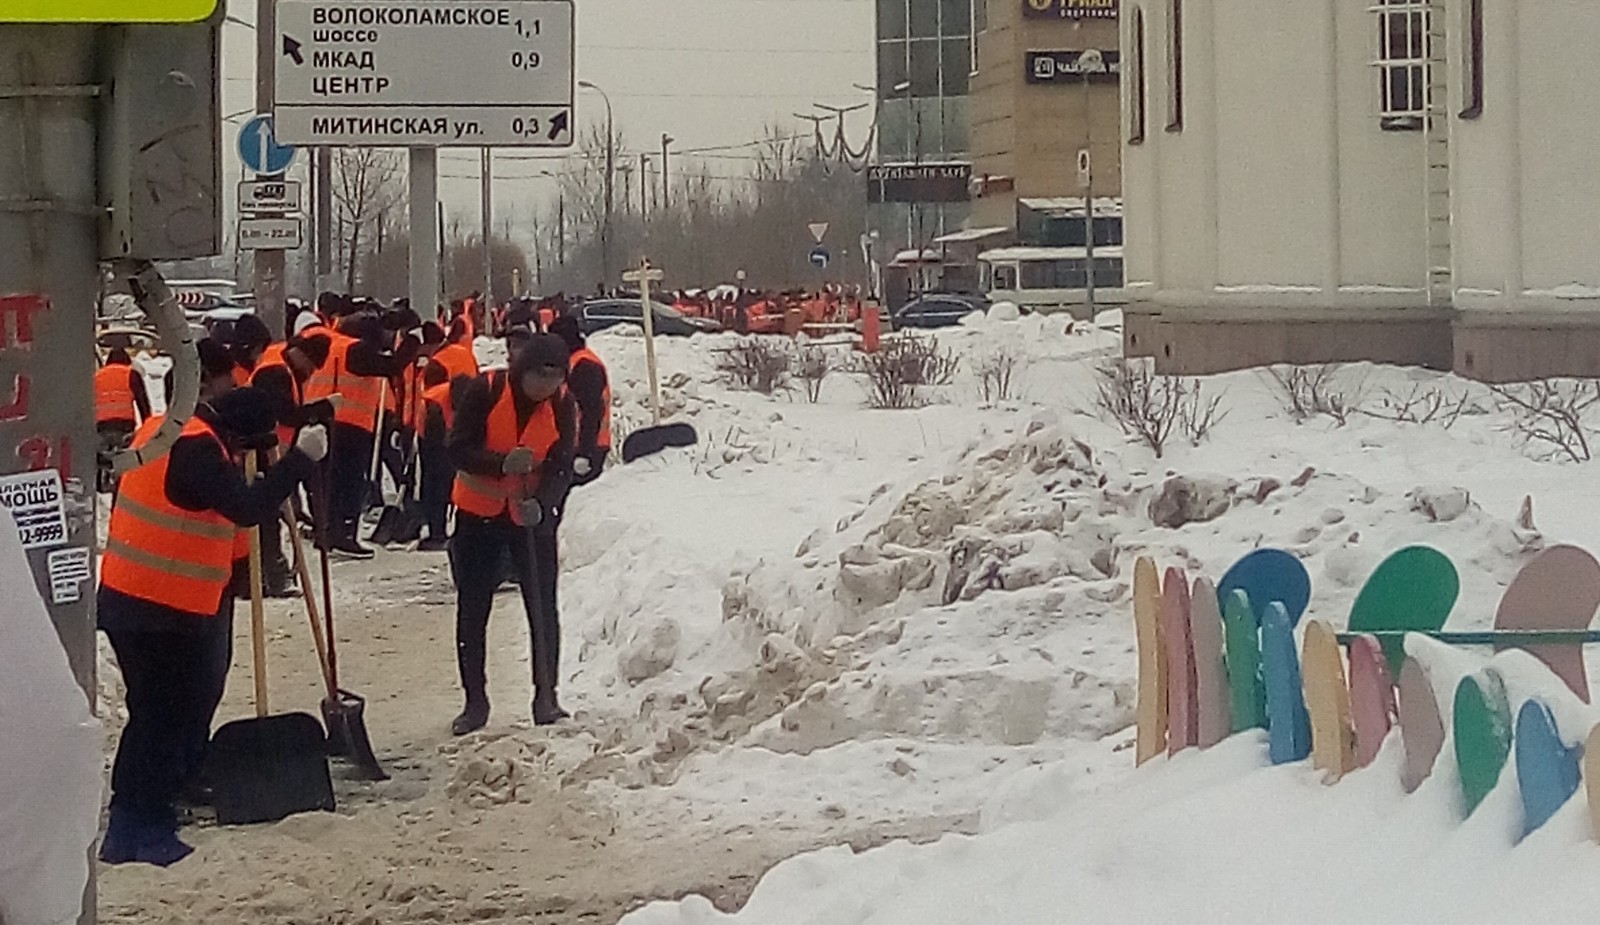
925, 62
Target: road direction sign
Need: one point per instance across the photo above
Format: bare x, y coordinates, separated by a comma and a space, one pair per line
819, 257
426, 73
818, 230
261, 234
106, 10
269, 196
260, 150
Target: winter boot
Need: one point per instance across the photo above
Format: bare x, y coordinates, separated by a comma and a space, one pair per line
474, 717
129, 840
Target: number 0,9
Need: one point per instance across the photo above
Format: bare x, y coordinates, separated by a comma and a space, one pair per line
525, 60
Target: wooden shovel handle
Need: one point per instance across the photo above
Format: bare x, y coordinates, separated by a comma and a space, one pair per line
258, 617
307, 591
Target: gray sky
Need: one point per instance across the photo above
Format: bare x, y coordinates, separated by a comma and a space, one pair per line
709, 72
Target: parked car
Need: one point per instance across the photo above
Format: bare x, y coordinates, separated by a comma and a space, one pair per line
600, 314
938, 310
218, 322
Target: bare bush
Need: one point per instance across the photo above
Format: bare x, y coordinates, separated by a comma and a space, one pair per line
813, 367
997, 375
1152, 408
755, 364
1422, 405
1311, 391
897, 373
1549, 414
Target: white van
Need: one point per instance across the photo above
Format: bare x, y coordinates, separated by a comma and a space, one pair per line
1053, 279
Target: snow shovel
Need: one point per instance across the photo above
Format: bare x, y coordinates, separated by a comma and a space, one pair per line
647, 441
402, 522
268, 767
343, 712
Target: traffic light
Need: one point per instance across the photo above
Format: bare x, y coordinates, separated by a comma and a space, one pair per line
90, 11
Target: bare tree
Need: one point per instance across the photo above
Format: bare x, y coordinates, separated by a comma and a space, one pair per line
366, 192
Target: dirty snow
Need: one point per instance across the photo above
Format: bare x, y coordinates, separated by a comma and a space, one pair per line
829, 625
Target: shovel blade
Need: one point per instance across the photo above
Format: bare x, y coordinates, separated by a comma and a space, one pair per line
388, 522
265, 769
347, 735
647, 441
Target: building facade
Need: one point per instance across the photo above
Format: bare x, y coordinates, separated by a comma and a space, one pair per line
1037, 102
924, 50
1402, 181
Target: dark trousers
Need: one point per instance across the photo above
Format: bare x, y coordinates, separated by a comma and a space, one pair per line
174, 682
394, 455
350, 458
114, 437
438, 477
476, 551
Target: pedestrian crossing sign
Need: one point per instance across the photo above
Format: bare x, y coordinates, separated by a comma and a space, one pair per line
88, 11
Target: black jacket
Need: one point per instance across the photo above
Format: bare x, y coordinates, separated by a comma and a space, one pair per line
200, 477
474, 399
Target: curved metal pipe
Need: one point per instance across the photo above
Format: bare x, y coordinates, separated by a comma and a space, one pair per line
151, 294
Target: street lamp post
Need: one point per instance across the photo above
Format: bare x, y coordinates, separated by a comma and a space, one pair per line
561, 219
611, 156
1089, 62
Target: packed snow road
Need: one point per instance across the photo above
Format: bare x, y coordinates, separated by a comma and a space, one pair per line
830, 625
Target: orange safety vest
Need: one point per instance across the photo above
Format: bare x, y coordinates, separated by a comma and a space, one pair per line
361, 393
274, 358
241, 376
439, 397
113, 394
159, 552
488, 496
457, 360
403, 403
603, 438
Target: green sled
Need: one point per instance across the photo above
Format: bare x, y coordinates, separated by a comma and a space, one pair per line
1413, 590
1243, 641
1483, 735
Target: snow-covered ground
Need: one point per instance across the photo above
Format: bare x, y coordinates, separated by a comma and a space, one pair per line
832, 624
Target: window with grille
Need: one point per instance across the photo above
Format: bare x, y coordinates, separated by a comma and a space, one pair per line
1403, 52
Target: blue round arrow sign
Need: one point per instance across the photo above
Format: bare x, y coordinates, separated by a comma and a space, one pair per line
819, 257
260, 151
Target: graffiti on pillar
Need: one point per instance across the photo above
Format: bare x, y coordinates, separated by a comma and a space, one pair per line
37, 451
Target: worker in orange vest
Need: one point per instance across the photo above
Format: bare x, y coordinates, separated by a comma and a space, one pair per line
511, 444
456, 355
281, 375
438, 476
590, 387
359, 360
121, 401
247, 340
164, 606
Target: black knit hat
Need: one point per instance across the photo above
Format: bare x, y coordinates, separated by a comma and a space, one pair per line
247, 414
539, 353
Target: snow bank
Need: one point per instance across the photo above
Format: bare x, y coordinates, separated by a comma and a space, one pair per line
1218, 836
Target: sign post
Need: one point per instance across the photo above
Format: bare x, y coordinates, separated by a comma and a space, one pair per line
268, 160
644, 276
424, 75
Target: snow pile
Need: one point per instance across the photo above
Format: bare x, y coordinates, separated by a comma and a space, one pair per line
1216, 836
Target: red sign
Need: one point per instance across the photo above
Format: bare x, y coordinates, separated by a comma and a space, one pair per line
1070, 9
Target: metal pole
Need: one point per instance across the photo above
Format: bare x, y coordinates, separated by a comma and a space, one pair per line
424, 191
666, 140
322, 168
49, 277
605, 228
561, 228
488, 231
269, 264
644, 185
1088, 193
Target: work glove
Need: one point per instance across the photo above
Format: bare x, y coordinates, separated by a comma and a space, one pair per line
530, 511
336, 400
518, 462
313, 441
581, 467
